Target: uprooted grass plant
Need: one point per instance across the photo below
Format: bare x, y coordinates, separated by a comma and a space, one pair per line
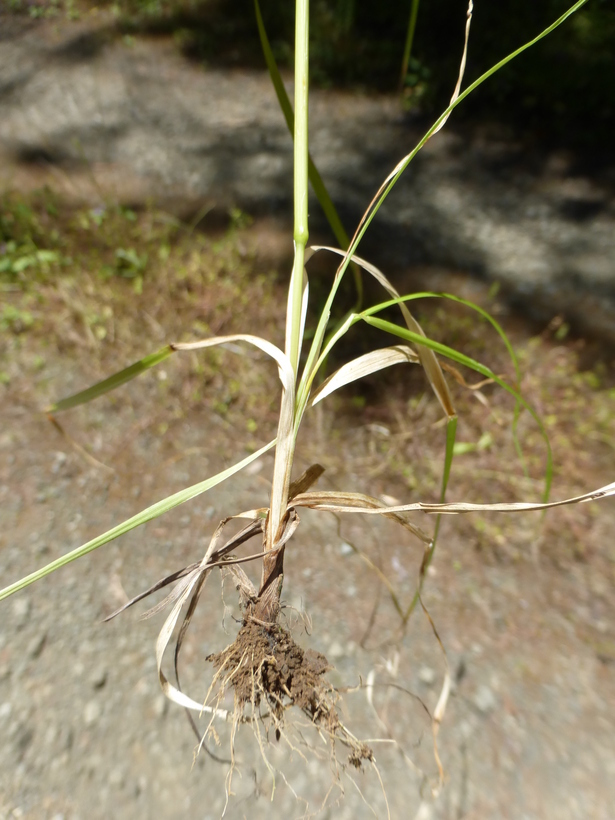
272, 679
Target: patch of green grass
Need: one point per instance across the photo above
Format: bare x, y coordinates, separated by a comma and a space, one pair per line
115, 282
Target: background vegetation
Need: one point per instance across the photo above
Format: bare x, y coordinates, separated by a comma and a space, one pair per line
550, 92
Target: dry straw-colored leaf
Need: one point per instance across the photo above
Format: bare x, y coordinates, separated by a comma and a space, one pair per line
364, 365
284, 445
347, 503
427, 357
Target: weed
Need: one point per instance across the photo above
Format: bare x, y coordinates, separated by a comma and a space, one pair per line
270, 677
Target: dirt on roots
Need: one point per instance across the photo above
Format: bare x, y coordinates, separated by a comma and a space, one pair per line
264, 665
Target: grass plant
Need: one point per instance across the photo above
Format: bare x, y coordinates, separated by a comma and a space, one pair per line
270, 676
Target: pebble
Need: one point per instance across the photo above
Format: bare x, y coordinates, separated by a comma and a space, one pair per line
116, 776
35, 647
427, 675
99, 677
160, 706
485, 700
466, 729
346, 549
21, 611
92, 712
336, 651
59, 461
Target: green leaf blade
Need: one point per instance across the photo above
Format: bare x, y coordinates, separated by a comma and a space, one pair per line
112, 382
467, 361
149, 513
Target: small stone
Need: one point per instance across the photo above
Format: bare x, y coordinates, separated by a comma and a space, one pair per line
58, 463
345, 549
92, 712
35, 647
99, 677
21, 611
336, 651
116, 776
466, 729
485, 700
427, 675
65, 738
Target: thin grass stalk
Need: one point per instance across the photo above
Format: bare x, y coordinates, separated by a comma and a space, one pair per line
320, 189
272, 565
414, 10
301, 233
399, 169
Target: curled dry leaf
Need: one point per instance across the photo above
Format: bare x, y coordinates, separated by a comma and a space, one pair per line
364, 365
346, 503
427, 357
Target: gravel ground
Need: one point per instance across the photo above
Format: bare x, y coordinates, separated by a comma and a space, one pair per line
529, 727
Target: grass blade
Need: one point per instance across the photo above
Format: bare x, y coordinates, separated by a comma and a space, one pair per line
317, 501
117, 380
284, 368
401, 166
414, 10
461, 358
326, 499
429, 361
362, 366
451, 435
141, 518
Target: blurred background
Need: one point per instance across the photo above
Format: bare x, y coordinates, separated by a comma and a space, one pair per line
145, 197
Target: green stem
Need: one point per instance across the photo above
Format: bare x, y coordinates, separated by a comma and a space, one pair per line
301, 235
294, 325
318, 185
414, 10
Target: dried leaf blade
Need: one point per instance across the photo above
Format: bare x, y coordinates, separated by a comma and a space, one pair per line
363, 366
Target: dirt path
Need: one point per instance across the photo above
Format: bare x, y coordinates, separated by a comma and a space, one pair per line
525, 613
